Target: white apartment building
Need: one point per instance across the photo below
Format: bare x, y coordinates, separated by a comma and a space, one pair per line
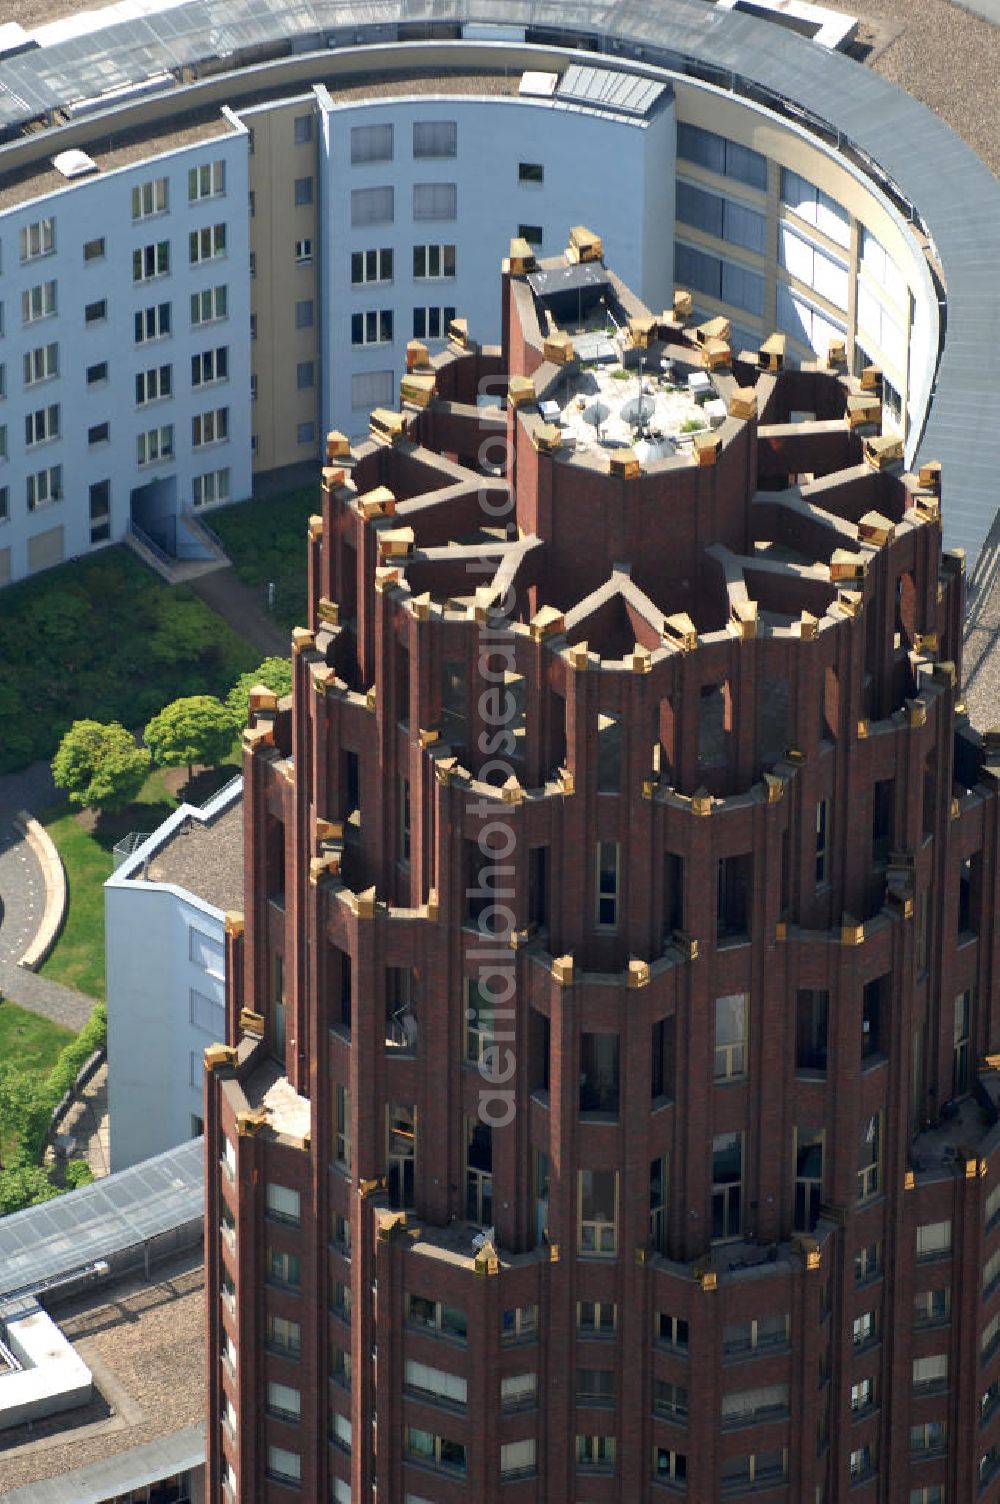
125, 356
164, 910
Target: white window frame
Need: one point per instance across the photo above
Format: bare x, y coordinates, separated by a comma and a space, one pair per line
216, 300
155, 446
207, 180
44, 488
207, 244
150, 199
38, 239
210, 428
42, 425
41, 364
38, 302
154, 385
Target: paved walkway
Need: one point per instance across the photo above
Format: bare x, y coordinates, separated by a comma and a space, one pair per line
87, 1121
237, 604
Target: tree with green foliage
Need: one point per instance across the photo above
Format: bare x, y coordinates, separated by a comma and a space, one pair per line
99, 765
195, 728
24, 1185
78, 1173
274, 673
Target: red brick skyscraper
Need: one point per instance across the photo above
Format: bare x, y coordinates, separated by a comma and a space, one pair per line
619, 878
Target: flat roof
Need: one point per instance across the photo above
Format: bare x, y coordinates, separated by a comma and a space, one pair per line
203, 859
145, 1346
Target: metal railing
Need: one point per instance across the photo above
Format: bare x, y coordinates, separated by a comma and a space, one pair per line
155, 548
124, 848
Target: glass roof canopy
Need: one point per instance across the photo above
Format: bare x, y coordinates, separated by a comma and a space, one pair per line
52, 1241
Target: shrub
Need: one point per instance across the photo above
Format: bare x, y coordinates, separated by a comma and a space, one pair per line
78, 1173
275, 673
24, 1185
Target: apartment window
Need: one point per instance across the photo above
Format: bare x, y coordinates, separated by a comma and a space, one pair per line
722, 156
302, 129
533, 234
155, 446
284, 1466
988, 1337
38, 302
518, 1324
596, 1318
100, 511
210, 428
303, 192
728, 281
206, 243
811, 1018
669, 1466
371, 389
211, 488
153, 385
446, 1321
371, 206
517, 1458
42, 425
595, 1452
595, 1386
519, 1391
93, 250
149, 199
815, 207
3, 441
810, 264
304, 313
930, 1373
822, 842
479, 1172
206, 181
869, 1159
658, 1204
435, 138
342, 1126
284, 1337
731, 1036
152, 323
283, 1402
436, 1451
151, 261
4, 503
530, 172
748, 1407
479, 1022
434, 1383
97, 373
862, 1395
94, 313
727, 1186
670, 1401
765, 1334
305, 375
934, 1240
283, 1268
435, 201
961, 1045
401, 1153
929, 1436
371, 266
671, 1331
209, 366
99, 434
758, 1470
209, 306
724, 218
432, 323
38, 239
930, 1307
41, 364
597, 1200
340, 1367
808, 1187
372, 328
433, 261
865, 1328
931, 1493
283, 1204
607, 885
609, 753
303, 252
371, 143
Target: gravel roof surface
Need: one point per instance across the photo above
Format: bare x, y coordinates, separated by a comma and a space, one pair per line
207, 860
146, 1348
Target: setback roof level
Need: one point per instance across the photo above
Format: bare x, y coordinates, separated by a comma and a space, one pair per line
956, 195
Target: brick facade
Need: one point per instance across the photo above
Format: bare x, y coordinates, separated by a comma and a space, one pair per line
778, 803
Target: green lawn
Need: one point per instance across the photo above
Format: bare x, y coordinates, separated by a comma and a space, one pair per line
77, 959
266, 540
32, 1044
104, 638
